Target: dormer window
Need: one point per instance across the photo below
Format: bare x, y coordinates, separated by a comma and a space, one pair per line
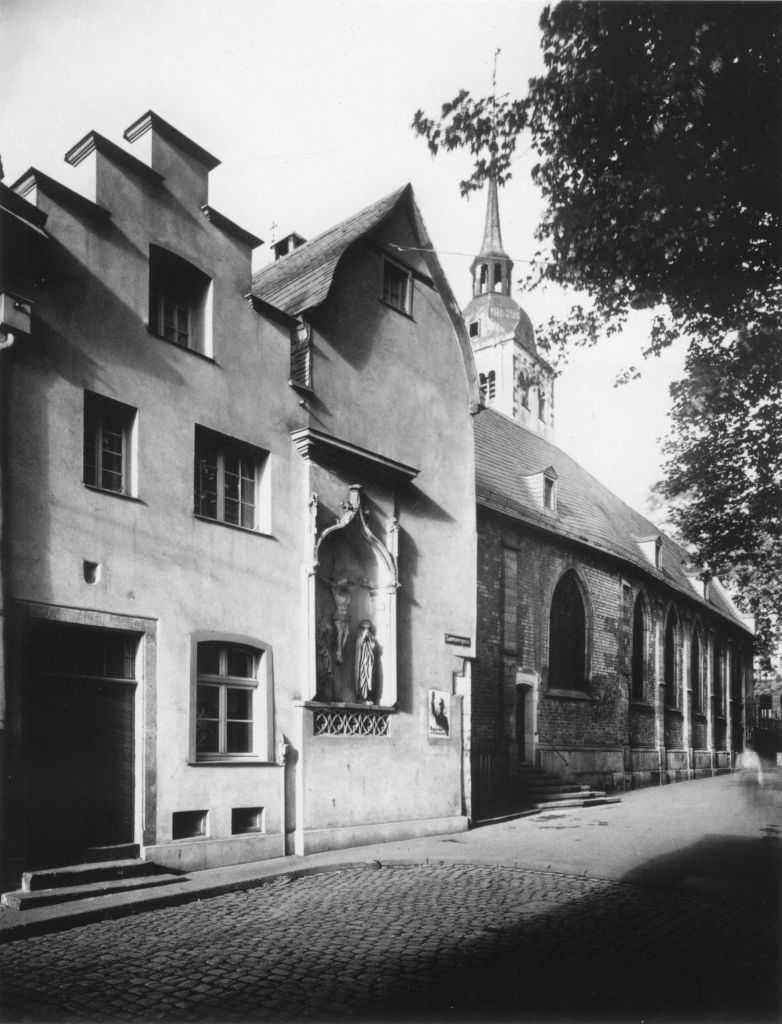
652, 549
548, 493
397, 287
550, 489
179, 300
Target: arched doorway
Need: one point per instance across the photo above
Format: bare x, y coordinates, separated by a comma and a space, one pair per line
525, 717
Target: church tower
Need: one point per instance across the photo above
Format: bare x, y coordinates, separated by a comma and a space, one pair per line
514, 378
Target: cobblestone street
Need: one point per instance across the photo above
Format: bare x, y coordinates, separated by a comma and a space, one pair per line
458, 941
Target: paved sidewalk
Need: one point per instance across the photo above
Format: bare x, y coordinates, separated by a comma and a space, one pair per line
663, 908
718, 837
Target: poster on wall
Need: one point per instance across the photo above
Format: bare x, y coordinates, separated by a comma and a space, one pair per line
439, 726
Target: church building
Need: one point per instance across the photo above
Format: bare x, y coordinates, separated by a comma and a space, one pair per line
604, 657
289, 560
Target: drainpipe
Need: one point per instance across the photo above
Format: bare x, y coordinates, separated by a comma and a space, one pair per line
6, 341
282, 760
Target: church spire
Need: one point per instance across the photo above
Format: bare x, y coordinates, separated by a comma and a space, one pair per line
492, 234
491, 268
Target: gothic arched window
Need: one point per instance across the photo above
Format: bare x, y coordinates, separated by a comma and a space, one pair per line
567, 636
696, 680
638, 663
669, 661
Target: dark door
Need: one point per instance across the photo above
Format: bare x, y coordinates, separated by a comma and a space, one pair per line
79, 712
521, 722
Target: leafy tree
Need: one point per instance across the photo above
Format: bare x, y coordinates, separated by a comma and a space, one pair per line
659, 131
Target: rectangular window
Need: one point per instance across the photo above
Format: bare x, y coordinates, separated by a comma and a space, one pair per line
548, 492
179, 297
397, 286
188, 824
226, 684
246, 819
108, 444
228, 480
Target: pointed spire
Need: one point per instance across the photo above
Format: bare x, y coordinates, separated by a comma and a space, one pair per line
492, 235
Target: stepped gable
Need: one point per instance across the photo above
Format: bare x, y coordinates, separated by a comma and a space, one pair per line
302, 279
508, 456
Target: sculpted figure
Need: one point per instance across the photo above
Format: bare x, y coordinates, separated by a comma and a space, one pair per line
325, 668
342, 590
365, 660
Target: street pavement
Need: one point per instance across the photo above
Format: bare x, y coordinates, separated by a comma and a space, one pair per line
664, 908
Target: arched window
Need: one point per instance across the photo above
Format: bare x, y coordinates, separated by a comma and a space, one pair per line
232, 703
638, 664
567, 636
718, 676
669, 661
488, 385
696, 679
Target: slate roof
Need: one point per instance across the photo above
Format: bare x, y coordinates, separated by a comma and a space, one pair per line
507, 455
302, 279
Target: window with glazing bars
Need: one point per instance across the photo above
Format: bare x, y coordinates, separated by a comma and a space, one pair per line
108, 426
227, 679
177, 300
397, 286
227, 477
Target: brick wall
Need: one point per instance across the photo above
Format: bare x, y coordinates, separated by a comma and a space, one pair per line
518, 569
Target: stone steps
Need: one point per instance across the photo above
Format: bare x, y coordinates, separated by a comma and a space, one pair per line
81, 881
539, 790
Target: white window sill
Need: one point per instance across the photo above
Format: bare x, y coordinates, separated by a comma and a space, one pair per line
112, 494
230, 526
222, 762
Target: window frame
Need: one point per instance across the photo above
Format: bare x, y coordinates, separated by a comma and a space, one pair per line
96, 409
671, 661
208, 442
177, 284
639, 653
260, 684
402, 273
696, 672
487, 385
581, 686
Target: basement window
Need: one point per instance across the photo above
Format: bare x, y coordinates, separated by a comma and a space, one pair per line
188, 824
246, 819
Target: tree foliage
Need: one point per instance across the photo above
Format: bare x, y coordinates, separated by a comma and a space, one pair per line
659, 132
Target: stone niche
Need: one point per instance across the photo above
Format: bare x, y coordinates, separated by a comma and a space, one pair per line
353, 610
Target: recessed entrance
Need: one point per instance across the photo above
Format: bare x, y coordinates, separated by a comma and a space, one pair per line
525, 719
78, 733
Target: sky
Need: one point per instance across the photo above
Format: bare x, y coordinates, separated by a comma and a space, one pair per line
308, 105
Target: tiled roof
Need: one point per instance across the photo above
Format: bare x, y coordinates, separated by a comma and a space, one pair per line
301, 280
508, 456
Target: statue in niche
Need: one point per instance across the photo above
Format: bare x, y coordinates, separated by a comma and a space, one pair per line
325, 667
342, 591
366, 646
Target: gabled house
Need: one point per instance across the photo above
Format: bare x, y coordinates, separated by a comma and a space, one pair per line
238, 565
